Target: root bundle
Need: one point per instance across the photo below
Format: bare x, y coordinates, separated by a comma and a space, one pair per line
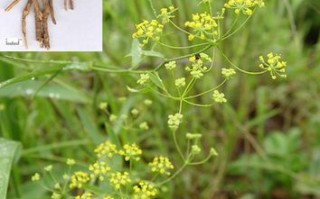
43, 9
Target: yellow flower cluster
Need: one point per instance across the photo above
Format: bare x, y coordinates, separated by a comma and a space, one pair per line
228, 72
86, 195
244, 6
144, 190
148, 30
174, 121
197, 68
131, 151
119, 179
99, 169
166, 14
171, 65
274, 65
108, 197
218, 97
161, 165
180, 82
56, 195
78, 179
203, 25
106, 148
144, 78
36, 177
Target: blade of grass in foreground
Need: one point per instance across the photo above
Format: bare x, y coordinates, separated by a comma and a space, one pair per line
9, 152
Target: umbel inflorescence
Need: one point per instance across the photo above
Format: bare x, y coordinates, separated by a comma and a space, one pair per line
42, 9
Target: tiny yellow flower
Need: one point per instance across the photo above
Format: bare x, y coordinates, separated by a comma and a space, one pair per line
36, 177
244, 6
181, 82
131, 151
112, 118
57, 186
119, 179
195, 136
144, 190
135, 111
99, 169
147, 102
78, 179
106, 149
147, 30
86, 195
274, 64
166, 14
174, 121
171, 65
228, 72
56, 195
195, 149
144, 126
161, 165
203, 26
71, 162
108, 197
144, 78
103, 105
218, 97
197, 68
48, 168
213, 152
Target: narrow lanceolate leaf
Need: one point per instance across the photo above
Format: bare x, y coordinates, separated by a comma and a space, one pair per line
39, 89
136, 53
152, 54
9, 152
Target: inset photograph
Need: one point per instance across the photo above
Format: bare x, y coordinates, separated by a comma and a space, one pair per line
50, 25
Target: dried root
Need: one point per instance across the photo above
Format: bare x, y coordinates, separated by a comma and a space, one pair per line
15, 2
26, 12
68, 4
41, 19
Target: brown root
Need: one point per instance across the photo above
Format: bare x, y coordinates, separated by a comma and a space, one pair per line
14, 3
26, 12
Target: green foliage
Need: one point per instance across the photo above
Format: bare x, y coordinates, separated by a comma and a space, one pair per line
9, 155
267, 133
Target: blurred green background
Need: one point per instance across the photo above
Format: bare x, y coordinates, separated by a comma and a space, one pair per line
267, 136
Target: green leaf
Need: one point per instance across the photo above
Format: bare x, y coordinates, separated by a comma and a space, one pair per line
134, 90
9, 153
152, 54
29, 76
29, 87
281, 144
136, 54
156, 79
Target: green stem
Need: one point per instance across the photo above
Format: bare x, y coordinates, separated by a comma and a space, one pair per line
189, 55
199, 105
152, 7
109, 70
37, 61
240, 69
174, 175
232, 26
236, 30
201, 162
208, 91
177, 27
183, 47
177, 146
